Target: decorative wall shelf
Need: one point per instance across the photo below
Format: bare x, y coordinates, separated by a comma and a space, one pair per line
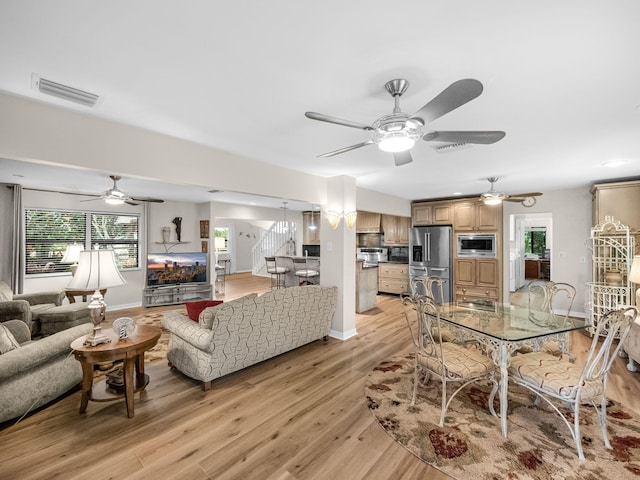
169, 245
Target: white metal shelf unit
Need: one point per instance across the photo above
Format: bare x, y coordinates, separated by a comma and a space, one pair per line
612, 249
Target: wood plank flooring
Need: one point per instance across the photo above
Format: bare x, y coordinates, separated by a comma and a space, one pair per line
301, 415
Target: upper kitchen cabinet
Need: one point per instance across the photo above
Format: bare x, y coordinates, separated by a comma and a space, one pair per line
311, 236
618, 200
431, 213
476, 216
395, 229
368, 222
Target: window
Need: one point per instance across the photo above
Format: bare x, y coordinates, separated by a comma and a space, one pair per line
535, 241
49, 232
221, 239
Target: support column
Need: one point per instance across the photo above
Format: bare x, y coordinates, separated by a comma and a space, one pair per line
338, 255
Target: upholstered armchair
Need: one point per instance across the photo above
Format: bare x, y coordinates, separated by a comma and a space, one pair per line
27, 306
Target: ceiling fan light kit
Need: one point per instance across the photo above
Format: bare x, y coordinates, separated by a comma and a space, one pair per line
495, 198
398, 132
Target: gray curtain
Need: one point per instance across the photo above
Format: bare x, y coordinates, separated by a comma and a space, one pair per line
11, 236
17, 242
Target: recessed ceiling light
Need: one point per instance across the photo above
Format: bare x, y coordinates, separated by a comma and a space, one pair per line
456, 193
614, 163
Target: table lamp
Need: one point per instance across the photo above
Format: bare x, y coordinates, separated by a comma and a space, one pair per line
634, 276
97, 270
72, 255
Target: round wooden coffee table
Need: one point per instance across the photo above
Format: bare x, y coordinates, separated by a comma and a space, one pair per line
129, 350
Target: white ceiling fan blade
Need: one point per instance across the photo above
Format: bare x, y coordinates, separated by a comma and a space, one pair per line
479, 137
402, 158
338, 121
346, 149
452, 97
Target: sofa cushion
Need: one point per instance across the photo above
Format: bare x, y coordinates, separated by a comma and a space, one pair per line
195, 308
208, 315
7, 340
37, 310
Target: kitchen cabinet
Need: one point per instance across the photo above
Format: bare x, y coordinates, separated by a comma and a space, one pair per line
619, 200
393, 278
476, 279
537, 269
395, 229
476, 216
431, 213
368, 222
310, 237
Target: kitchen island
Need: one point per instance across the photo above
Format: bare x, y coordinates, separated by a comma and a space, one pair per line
290, 279
366, 286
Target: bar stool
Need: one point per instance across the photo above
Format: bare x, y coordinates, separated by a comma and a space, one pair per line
306, 275
277, 272
220, 278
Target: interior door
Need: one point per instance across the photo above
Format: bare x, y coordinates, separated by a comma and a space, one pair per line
518, 255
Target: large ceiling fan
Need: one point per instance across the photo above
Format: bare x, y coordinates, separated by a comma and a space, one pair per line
115, 196
398, 132
493, 198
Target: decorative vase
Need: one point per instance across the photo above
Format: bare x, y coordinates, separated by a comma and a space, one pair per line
166, 234
613, 278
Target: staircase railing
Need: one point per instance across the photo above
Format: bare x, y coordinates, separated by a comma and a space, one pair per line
271, 242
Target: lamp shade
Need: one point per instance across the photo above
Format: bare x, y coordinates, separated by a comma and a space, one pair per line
72, 253
634, 274
97, 270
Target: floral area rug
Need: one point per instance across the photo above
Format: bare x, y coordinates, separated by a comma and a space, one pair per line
470, 445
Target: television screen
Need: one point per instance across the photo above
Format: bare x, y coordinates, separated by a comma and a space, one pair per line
173, 268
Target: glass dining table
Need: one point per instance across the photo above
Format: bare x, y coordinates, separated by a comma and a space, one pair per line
501, 329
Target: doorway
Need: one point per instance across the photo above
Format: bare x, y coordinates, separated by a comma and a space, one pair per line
530, 248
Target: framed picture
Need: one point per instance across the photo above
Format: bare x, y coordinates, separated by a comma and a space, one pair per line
204, 229
204, 246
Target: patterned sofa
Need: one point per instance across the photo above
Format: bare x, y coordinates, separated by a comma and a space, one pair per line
243, 332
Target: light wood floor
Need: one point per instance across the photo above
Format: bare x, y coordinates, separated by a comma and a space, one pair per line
301, 415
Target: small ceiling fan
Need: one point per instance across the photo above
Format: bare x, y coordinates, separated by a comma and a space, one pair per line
115, 196
398, 132
494, 198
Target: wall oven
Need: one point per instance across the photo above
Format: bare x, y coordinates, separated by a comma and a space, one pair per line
372, 255
476, 245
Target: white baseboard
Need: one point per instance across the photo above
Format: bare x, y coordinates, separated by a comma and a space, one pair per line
343, 335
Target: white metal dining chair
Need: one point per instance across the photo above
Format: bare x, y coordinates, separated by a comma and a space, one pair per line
450, 362
544, 299
432, 287
550, 378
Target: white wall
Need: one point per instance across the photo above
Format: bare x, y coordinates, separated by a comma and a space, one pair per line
35, 131
571, 210
370, 201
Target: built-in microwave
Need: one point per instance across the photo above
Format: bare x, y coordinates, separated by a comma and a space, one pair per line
476, 245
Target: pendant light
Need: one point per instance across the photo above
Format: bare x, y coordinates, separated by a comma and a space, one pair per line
313, 226
286, 224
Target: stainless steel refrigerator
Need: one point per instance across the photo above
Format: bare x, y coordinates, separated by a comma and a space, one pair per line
430, 255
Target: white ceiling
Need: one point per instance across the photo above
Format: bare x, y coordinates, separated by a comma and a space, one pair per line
562, 79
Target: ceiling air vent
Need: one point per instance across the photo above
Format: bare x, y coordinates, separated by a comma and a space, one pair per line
451, 147
63, 91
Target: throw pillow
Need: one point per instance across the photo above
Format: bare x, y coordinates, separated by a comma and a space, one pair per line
6, 294
7, 340
194, 308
